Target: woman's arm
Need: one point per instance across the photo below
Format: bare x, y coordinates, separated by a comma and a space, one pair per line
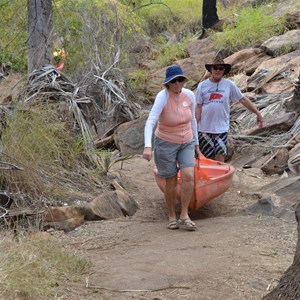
158, 106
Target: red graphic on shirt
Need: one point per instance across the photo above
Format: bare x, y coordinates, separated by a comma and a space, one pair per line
215, 96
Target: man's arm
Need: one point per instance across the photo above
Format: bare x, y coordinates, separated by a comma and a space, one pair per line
250, 106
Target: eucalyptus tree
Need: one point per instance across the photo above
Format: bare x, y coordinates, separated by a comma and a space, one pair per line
40, 33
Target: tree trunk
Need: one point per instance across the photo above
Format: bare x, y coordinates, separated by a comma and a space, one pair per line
40, 33
209, 13
288, 287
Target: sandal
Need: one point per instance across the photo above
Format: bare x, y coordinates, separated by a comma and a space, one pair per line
187, 224
172, 225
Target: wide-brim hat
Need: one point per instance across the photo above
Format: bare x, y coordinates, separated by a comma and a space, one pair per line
173, 72
218, 62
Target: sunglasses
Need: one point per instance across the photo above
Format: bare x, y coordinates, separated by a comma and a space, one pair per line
220, 68
179, 79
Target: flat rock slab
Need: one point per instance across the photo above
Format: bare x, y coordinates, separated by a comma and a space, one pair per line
288, 189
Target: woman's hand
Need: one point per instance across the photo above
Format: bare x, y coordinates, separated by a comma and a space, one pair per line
197, 152
147, 154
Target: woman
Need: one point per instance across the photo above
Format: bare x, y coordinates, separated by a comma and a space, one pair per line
214, 96
175, 142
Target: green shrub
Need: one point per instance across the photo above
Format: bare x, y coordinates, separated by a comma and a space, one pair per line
170, 16
13, 34
82, 28
252, 26
139, 79
94, 28
169, 53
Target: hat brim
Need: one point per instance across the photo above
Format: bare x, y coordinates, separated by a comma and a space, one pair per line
227, 67
167, 80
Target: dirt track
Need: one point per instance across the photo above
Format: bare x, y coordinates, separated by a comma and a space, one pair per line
230, 256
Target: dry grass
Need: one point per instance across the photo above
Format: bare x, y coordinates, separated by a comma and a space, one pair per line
50, 157
33, 268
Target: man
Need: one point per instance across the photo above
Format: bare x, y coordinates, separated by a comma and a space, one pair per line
213, 97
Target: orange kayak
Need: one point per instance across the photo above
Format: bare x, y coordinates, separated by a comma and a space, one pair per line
212, 178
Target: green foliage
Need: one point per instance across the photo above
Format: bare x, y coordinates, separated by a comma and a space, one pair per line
93, 27
169, 53
139, 79
106, 159
32, 268
82, 28
252, 26
13, 33
170, 16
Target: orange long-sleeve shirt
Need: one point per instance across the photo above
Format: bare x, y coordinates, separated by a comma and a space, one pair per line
175, 118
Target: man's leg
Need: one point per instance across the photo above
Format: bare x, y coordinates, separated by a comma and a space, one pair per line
220, 157
220, 142
206, 145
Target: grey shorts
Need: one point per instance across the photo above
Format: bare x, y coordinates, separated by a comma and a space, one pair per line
170, 157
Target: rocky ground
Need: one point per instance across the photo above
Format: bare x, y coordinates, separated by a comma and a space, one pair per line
232, 255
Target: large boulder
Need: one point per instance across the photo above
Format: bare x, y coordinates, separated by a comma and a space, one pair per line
275, 69
111, 204
247, 60
129, 136
292, 19
203, 46
279, 86
288, 42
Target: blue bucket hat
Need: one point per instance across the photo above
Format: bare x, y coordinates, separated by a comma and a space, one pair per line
173, 72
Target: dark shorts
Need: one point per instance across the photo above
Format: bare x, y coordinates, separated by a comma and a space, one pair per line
170, 157
212, 144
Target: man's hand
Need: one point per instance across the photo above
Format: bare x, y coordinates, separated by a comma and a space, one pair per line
259, 120
147, 154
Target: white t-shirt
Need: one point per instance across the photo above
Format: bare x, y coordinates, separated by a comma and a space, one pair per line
215, 98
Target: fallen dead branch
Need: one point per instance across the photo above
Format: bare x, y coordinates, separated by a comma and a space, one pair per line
9, 166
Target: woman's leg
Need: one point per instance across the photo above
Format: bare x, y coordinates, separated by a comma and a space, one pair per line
165, 159
170, 196
186, 162
187, 188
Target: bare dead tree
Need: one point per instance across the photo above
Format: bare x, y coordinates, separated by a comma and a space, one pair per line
40, 31
209, 13
209, 16
288, 287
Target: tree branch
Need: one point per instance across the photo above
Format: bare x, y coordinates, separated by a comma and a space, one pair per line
151, 3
